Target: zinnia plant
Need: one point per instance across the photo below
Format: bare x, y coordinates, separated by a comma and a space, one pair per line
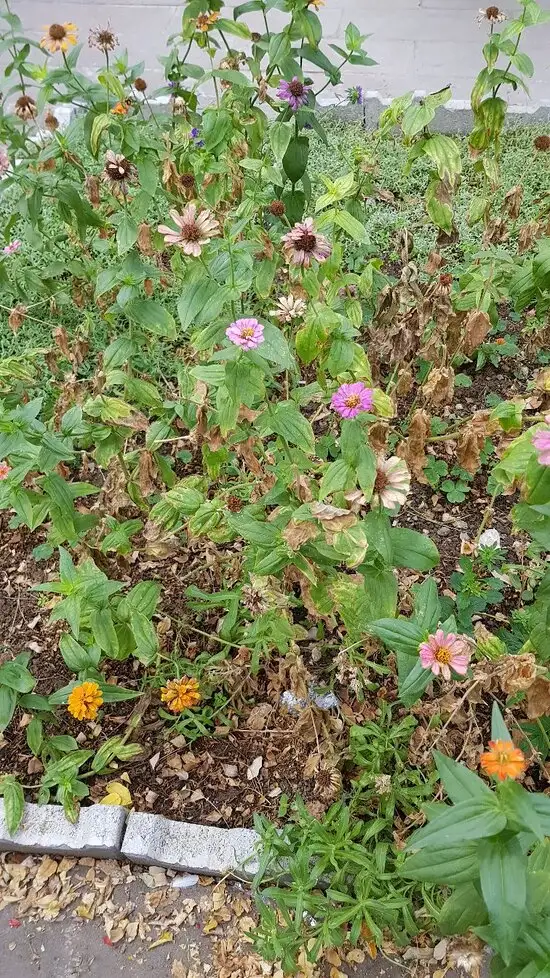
180, 694
84, 701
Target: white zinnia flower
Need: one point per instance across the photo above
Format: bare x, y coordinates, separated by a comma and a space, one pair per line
392, 482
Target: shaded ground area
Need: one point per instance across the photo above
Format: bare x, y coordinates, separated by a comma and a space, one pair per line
63, 918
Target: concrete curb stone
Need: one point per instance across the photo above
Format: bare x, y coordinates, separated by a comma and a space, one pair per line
204, 849
45, 829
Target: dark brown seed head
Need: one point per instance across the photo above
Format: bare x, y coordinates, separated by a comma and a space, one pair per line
296, 88
492, 13
542, 143
140, 84
277, 208
306, 242
256, 37
234, 504
118, 169
187, 180
51, 122
103, 39
57, 32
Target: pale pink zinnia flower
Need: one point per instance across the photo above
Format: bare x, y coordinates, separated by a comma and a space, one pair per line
350, 399
5, 470
303, 243
246, 333
12, 247
294, 92
441, 653
541, 441
4, 161
288, 308
392, 482
195, 230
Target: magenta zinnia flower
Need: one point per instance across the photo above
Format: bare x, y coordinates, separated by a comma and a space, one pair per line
541, 441
350, 399
246, 333
441, 653
12, 247
304, 243
195, 230
5, 470
294, 92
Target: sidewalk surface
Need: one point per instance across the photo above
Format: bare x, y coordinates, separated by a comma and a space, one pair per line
63, 918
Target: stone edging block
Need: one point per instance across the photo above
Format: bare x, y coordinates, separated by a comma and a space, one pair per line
155, 840
45, 828
109, 832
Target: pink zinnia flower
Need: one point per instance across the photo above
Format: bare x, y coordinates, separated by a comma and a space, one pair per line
350, 399
5, 470
246, 333
304, 243
392, 482
12, 247
195, 230
4, 161
294, 92
541, 441
441, 653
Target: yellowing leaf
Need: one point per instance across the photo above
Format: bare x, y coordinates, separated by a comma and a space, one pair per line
210, 925
117, 794
165, 938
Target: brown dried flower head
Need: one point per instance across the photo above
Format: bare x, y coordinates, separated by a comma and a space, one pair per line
51, 121
140, 85
144, 242
118, 171
277, 208
92, 189
16, 317
187, 180
491, 14
25, 108
103, 39
542, 143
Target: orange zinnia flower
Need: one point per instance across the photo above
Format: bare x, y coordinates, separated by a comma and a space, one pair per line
503, 760
206, 21
179, 694
120, 109
84, 701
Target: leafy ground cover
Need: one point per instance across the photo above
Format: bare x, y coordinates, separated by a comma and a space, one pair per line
275, 476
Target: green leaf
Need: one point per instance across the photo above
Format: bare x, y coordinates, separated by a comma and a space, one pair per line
145, 638
14, 802
152, 316
413, 549
254, 531
275, 348
377, 527
471, 819
247, 8
280, 134
279, 48
499, 730
427, 606
34, 735
459, 782
518, 805
296, 157
104, 631
338, 475
230, 27
462, 910
148, 172
285, 420
538, 480
450, 865
316, 57
216, 126
99, 125
414, 684
503, 877
366, 470
127, 232
444, 152
351, 226
399, 634
16, 676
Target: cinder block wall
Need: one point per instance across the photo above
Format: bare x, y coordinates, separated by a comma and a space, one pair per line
418, 44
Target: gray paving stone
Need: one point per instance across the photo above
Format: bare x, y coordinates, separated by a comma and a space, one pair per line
44, 828
153, 839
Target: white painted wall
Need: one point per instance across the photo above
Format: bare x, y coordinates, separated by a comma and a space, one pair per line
418, 44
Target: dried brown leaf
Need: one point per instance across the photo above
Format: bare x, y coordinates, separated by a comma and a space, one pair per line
476, 328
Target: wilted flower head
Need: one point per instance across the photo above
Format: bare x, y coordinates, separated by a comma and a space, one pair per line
180, 694
205, 21
103, 39
194, 230
246, 333
442, 652
17, 317
288, 308
542, 143
118, 170
51, 121
140, 85
4, 161
503, 760
350, 399
491, 14
541, 441
25, 108
59, 37
121, 108
294, 92
277, 208
392, 482
303, 243
5, 470
84, 701
12, 247
355, 95
489, 538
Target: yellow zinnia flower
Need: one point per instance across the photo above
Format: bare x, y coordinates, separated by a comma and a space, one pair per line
59, 37
179, 694
84, 701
